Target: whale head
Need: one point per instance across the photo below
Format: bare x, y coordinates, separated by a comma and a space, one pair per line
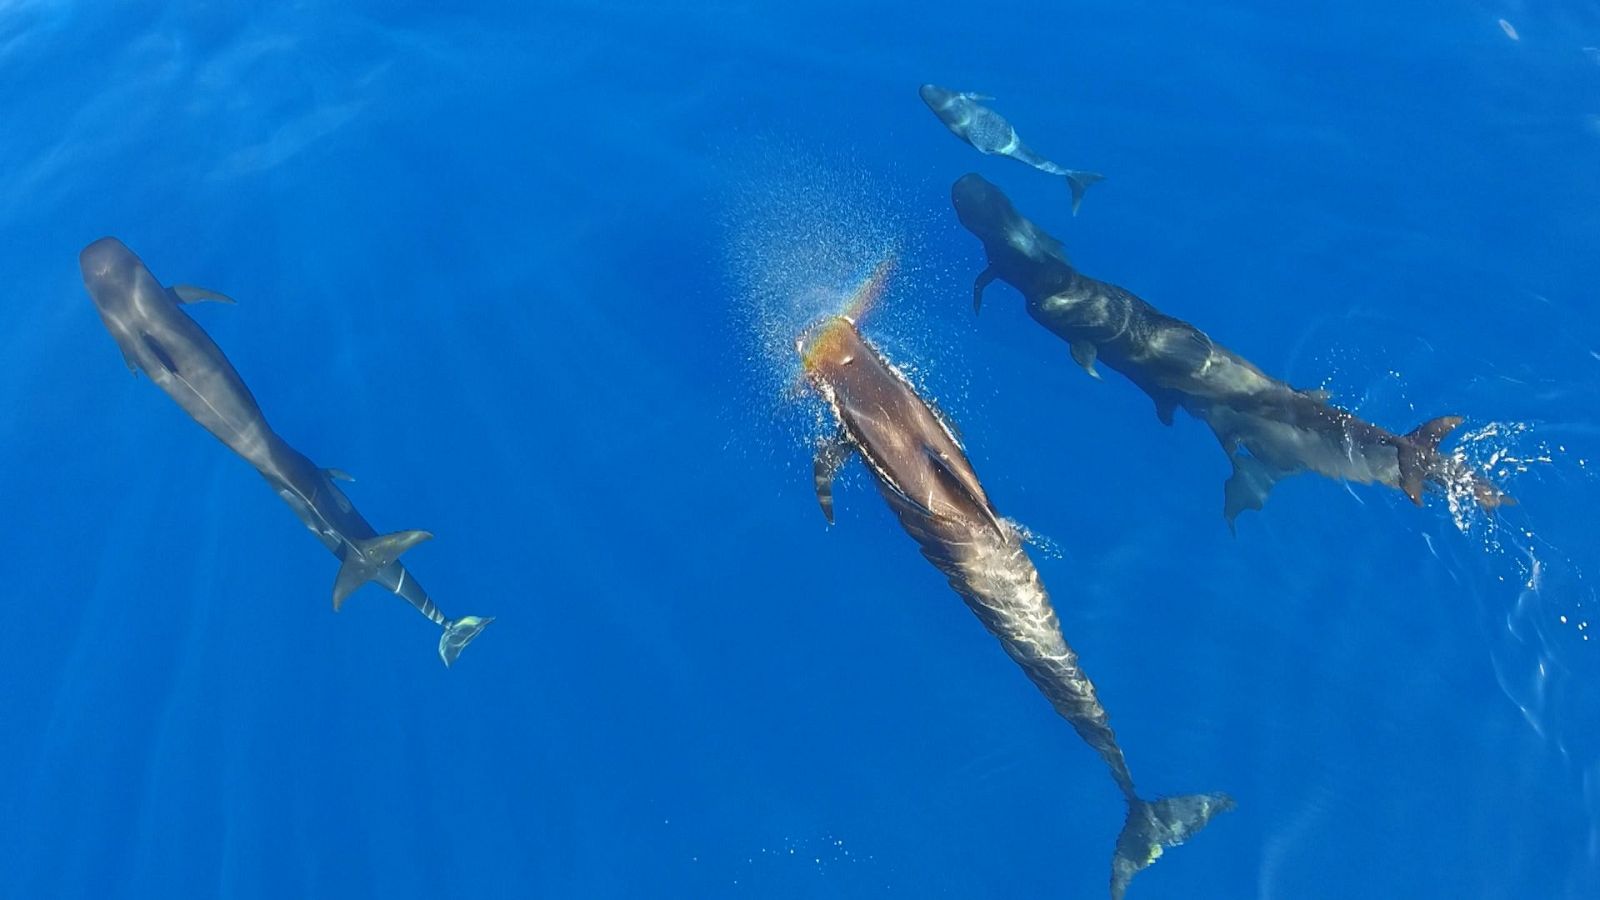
936, 97
110, 271
981, 207
987, 212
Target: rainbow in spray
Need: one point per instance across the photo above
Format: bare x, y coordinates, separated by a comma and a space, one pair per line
855, 306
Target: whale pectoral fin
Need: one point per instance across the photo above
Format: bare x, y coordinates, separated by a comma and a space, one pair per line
953, 481
1083, 353
984, 279
128, 360
338, 474
832, 453
973, 95
1165, 407
1248, 487
188, 293
159, 352
364, 558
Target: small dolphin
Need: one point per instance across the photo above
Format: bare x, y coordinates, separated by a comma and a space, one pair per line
156, 337
925, 477
987, 131
1283, 430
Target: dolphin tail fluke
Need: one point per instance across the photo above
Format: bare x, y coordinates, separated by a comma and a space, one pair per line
1079, 182
458, 633
1155, 825
365, 558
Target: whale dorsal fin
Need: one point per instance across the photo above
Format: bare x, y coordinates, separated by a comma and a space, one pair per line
832, 453
160, 353
188, 293
967, 488
1429, 434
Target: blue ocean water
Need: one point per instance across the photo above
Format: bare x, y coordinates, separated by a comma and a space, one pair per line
532, 273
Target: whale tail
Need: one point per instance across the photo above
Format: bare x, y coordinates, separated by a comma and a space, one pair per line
1155, 825
1079, 182
365, 558
458, 633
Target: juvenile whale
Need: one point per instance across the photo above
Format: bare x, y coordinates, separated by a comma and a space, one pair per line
156, 337
922, 472
986, 130
1281, 430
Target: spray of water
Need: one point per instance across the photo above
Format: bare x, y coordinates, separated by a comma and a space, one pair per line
811, 236
1532, 595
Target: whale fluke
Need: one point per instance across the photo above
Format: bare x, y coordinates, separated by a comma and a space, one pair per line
365, 557
1432, 432
1153, 826
1079, 182
458, 633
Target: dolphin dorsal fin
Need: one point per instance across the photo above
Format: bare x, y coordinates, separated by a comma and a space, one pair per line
1429, 434
188, 293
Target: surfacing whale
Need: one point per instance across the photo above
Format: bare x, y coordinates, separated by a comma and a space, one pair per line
1281, 431
156, 337
989, 133
924, 475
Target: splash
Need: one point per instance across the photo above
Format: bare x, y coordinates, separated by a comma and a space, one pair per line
1535, 603
868, 292
809, 236
856, 305
800, 234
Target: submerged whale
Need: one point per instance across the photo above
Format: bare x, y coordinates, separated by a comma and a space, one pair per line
156, 337
988, 132
1268, 429
924, 475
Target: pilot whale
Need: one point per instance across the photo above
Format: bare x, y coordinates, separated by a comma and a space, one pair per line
1268, 429
924, 475
987, 131
159, 339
